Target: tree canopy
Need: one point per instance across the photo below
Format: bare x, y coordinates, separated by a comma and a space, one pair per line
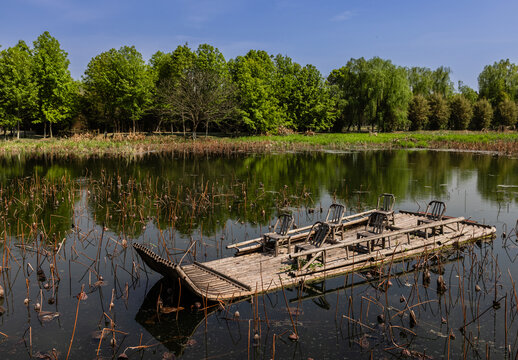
53, 81
119, 83
17, 87
257, 93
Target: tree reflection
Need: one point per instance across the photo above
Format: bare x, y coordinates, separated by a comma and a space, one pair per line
202, 193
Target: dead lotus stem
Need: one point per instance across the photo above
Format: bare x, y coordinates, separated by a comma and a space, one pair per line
288, 307
357, 322
75, 321
413, 306
140, 347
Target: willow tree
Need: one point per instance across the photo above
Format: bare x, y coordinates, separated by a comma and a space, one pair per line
375, 92
425, 81
499, 82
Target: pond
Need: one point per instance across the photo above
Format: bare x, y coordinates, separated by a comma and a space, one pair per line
68, 224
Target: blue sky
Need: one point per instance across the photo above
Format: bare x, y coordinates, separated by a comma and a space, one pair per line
464, 35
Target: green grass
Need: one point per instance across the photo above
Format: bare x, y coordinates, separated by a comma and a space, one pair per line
131, 145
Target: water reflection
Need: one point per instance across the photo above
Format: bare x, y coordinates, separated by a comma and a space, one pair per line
99, 206
203, 193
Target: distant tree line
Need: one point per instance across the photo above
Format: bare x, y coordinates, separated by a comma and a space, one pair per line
198, 90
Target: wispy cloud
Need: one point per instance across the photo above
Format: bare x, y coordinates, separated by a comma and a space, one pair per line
343, 16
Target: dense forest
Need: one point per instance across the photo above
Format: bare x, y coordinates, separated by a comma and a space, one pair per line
198, 90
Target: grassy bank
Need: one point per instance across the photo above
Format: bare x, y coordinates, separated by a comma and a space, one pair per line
134, 145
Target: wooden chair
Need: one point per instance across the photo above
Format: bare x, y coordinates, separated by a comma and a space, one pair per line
434, 212
316, 237
386, 205
334, 219
375, 226
279, 233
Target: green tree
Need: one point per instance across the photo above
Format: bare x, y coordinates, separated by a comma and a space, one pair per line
441, 82
439, 112
303, 94
418, 112
167, 70
424, 81
259, 109
507, 113
420, 80
498, 82
53, 81
121, 83
372, 92
17, 87
203, 96
482, 115
470, 94
211, 62
461, 112
396, 95
313, 106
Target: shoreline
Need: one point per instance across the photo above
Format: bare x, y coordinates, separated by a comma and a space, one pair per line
128, 145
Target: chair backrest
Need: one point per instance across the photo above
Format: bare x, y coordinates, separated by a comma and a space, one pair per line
435, 210
386, 202
283, 224
320, 234
335, 214
376, 223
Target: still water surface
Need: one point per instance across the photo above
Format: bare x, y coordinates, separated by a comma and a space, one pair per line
78, 216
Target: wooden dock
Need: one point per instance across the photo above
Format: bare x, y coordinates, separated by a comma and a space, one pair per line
259, 271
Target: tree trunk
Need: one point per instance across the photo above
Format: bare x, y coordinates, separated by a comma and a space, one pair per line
44, 129
183, 124
207, 129
159, 126
194, 127
18, 130
50, 129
